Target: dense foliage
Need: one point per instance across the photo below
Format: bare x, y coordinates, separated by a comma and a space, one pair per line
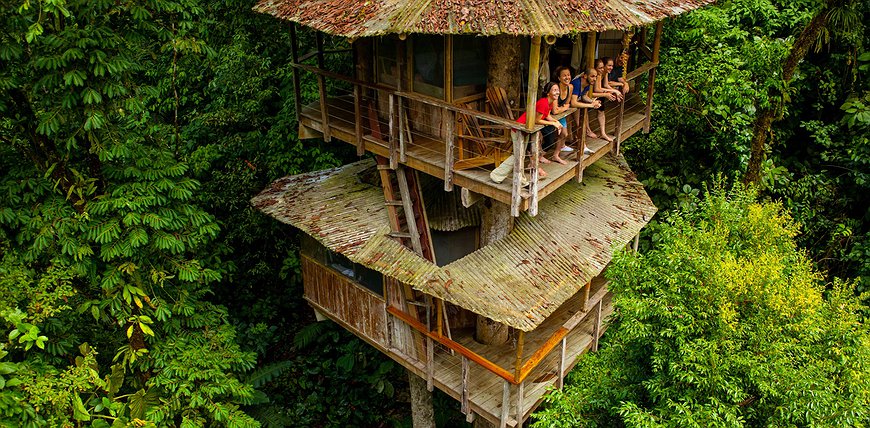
722, 64
724, 323
138, 286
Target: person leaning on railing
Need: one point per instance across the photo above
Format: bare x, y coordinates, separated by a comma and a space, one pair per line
614, 78
549, 133
582, 83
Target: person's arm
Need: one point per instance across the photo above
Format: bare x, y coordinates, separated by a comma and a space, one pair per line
605, 83
576, 102
539, 119
599, 92
555, 108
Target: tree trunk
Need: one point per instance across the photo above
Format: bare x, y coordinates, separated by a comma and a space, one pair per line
496, 220
766, 116
422, 411
503, 70
496, 223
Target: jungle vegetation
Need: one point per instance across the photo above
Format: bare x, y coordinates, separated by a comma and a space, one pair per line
138, 287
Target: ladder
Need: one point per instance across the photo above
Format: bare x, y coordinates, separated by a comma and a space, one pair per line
405, 208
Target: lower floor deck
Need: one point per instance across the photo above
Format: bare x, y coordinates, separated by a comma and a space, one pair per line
501, 383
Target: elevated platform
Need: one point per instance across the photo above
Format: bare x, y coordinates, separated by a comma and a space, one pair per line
428, 153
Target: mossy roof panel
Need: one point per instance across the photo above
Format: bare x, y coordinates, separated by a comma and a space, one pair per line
366, 18
519, 280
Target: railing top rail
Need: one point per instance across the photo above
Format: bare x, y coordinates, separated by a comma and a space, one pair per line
337, 76
647, 66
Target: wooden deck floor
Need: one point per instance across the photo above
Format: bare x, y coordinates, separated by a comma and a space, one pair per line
427, 154
486, 389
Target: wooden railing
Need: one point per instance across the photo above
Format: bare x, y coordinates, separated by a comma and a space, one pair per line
399, 131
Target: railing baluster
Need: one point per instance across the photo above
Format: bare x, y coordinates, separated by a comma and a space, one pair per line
464, 399
357, 120
536, 163
618, 139
449, 141
597, 328
562, 363
394, 132
505, 404
403, 157
519, 153
321, 85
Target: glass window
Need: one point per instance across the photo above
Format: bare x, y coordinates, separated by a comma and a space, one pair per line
368, 278
428, 65
470, 63
386, 61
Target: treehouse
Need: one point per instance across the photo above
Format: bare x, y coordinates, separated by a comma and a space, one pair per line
488, 291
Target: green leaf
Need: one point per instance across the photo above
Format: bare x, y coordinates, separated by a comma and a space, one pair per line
80, 413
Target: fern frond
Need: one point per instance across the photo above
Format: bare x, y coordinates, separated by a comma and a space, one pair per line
265, 374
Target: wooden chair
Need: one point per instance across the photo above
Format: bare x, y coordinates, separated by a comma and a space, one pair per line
499, 104
480, 145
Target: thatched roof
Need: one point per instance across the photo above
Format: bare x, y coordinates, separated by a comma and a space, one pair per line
519, 280
366, 18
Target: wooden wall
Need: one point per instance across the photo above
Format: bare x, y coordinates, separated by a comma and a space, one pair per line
354, 306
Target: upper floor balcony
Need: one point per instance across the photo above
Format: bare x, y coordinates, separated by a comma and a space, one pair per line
423, 101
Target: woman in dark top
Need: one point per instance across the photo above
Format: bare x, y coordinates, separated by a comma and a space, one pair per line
559, 105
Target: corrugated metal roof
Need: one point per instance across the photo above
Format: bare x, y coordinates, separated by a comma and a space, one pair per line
446, 213
366, 18
519, 280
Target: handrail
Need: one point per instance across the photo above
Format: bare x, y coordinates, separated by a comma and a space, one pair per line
637, 72
467, 353
333, 75
479, 114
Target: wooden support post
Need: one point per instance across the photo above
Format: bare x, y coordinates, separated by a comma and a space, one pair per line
533, 189
649, 97
618, 139
532, 95
394, 132
586, 293
657, 42
357, 120
520, 343
439, 316
430, 363
581, 151
562, 363
505, 404
450, 117
294, 56
448, 73
430, 347
636, 243
597, 327
520, 404
402, 120
516, 186
321, 86
590, 49
463, 406
652, 78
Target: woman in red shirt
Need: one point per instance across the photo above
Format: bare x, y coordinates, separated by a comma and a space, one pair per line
549, 133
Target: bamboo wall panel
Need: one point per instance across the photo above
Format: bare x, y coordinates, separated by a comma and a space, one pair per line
356, 306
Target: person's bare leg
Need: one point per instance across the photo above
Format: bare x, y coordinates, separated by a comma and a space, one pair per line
560, 142
602, 122
589, 132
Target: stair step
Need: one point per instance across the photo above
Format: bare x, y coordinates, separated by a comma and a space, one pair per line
400, 235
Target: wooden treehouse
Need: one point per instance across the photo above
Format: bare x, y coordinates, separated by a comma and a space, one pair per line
412, 262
